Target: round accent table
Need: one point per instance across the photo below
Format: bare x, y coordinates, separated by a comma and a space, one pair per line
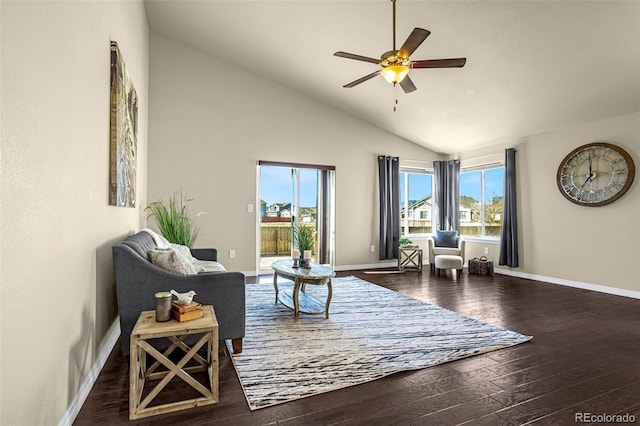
297, 298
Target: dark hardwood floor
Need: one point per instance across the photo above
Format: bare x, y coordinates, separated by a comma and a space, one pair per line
584, 358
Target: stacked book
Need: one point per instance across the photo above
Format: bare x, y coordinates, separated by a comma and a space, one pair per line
188, 312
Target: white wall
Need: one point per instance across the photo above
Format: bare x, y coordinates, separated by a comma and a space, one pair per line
596, 245
560, 240
209, 125
207, 133
57, 285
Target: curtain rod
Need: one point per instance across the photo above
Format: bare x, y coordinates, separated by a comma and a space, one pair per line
295, 165
416, 168
483, 165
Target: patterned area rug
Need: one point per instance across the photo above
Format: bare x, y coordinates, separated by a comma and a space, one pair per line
371, 332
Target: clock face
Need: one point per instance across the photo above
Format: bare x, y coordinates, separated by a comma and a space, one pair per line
595, 174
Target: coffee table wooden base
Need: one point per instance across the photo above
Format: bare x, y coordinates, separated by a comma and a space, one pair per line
307, 304
297, 299
147, 328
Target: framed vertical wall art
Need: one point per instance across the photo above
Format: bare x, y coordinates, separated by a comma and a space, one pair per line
122, 134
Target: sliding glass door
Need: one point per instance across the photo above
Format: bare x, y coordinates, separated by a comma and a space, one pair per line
294, 195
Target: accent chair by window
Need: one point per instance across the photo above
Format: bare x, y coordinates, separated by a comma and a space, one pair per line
445, 242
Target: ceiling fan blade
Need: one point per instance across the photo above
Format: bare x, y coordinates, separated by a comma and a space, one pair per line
439, 63
415, 39
362, 79
357, 57
407, 85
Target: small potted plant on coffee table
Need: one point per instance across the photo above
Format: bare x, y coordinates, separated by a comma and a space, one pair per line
303, 240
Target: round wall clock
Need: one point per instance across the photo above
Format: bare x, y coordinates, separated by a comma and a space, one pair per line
595, 174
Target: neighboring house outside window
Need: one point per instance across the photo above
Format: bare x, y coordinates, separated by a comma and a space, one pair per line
464, 214
416, 189
481, 200
279, 210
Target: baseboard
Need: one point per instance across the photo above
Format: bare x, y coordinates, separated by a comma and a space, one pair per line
503, 271
393, 264
250, 273
569, 283
550, 280
83, 392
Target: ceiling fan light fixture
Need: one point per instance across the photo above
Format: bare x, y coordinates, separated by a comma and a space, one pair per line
395, 73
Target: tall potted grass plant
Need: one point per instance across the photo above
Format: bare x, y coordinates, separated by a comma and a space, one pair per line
173, 220
303, 238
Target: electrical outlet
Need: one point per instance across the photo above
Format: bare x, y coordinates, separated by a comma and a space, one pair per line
249, 208
232, 254
373, 248
486, 250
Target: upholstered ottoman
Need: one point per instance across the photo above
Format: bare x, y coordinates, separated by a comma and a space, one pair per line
446, 261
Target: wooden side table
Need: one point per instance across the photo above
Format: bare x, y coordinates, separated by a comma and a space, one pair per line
176, 332
410, 258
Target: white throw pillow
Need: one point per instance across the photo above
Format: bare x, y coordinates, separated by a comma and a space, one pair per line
171, 260
198, 264
161, 242
208, 266
183, 250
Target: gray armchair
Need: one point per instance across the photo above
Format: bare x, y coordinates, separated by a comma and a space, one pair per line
436, 250
138, 280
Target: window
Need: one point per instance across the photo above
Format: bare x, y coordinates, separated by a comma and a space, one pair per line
295, 194
416, 189
481, 198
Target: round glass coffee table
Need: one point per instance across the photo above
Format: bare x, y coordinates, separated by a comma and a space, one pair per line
297, 298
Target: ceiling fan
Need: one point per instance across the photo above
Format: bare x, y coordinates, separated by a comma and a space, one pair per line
396, 63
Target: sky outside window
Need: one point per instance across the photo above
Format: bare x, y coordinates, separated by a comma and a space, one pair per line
471, 184
419, 186
276, 186
494, 183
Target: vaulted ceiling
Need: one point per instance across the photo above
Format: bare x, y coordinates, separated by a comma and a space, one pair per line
532, 66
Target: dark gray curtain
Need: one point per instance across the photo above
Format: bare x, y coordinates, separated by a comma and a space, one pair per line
389, 178
509, 233
446, 178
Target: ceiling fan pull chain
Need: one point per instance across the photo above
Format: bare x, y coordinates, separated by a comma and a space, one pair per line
395, 93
